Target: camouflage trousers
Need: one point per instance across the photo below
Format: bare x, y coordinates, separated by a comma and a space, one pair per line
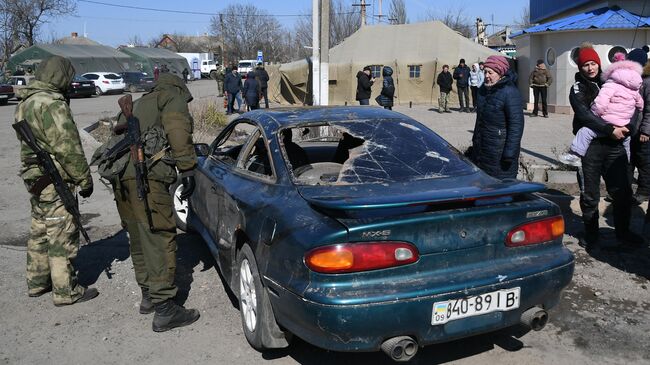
53, 244
443, 102
153, 253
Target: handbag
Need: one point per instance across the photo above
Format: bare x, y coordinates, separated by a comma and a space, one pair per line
378, 100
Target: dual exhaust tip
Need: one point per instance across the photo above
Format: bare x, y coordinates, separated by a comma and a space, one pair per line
403, 348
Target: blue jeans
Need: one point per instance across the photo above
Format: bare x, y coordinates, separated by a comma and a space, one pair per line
364, 102
231, 101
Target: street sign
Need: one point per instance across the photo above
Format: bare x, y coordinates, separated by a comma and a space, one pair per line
260, 57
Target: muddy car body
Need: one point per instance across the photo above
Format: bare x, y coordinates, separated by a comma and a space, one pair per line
379, 235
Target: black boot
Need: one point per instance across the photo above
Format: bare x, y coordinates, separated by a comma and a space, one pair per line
590, 238
170, 315
146, 305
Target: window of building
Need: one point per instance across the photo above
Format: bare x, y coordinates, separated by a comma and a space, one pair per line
575, 53
375, 70
414, 71
615, 50
550, 56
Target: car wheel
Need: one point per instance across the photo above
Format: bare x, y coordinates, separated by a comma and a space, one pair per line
181, 207
213, 75
98, 91
133, 89
258, 321
4, 101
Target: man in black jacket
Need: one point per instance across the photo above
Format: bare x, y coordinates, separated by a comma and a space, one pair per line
364, 86
263, 78
461, 75
444, 81
605, 157
232, 85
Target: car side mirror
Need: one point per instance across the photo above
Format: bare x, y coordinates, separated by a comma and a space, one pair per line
201, 149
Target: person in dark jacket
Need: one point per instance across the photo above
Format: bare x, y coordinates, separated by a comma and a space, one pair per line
185, 73
252, 91
499, 121
445, 82
461, 75
364, 86
640, 146
385, 98
605, 157
540, 79
232, 85
263, 77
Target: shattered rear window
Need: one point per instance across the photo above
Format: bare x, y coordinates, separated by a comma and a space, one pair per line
369, 151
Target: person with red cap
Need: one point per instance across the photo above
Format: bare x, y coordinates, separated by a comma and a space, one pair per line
499, 121
605, 157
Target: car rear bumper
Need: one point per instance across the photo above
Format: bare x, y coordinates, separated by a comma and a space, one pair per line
363, 327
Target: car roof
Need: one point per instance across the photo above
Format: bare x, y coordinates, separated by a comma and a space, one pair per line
294, 116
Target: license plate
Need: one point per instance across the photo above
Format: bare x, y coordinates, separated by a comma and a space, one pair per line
115, 82
496, 301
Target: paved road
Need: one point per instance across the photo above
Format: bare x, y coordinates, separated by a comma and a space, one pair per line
603, 318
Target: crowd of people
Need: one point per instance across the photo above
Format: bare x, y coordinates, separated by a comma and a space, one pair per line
252, 90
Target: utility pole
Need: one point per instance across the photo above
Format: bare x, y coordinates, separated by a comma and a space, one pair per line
324, 52
315, 59
363, 11
379, 16
223, 43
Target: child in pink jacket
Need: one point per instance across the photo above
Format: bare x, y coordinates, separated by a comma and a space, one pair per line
615, 103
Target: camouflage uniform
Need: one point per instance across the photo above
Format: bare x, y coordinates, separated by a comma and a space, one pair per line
221, 75
154, 253
54, 238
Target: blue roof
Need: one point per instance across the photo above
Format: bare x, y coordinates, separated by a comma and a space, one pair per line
603, 18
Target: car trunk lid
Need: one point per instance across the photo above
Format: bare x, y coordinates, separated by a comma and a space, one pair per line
437, 215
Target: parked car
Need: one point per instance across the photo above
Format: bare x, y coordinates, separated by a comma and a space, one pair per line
106, 82
81, 86
6, 93
246, 66
19, 82
360, 229
136, 81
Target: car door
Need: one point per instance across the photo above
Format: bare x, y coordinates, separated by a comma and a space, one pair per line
224, 154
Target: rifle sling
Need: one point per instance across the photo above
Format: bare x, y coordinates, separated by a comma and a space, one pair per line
40, 184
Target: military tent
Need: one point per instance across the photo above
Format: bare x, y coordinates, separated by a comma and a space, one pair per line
146, 58
84, 58
416, 52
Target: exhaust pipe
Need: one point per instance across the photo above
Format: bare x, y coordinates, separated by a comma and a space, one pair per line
400, 348
535, 318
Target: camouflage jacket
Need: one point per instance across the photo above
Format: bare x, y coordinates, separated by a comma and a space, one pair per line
166, 107
45, 109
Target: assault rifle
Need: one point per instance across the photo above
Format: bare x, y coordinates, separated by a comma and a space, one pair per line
137, 154
52, 175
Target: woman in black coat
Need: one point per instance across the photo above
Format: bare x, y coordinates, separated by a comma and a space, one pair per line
252, 91
499, 121
385, 98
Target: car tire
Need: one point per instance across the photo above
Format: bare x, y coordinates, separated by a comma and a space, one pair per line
98, 91
180, 208
133, 89
258, 321
213, 75
4, 101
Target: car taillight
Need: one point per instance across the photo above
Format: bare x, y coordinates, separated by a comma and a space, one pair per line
105, 82
363, 256
536, 232
75, 84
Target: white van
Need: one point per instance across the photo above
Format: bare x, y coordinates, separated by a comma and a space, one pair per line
246, 66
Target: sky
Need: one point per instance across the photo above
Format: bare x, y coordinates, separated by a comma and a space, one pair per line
114, 26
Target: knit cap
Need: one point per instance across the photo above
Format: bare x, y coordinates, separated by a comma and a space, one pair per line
499, 64
638, 55
587, 53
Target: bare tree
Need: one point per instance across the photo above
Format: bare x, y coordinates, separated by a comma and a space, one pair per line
136, 41
523, 21
245, 29
454, 19
397, 12
343, 22
30, 15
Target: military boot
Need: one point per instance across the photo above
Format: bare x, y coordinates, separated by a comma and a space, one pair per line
171, 315
146, 305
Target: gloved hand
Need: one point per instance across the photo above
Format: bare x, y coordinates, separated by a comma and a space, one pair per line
188, 186
87, 192
506, 163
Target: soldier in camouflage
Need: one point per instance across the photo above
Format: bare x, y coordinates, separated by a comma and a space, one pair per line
53, 238
164, 121
220, 77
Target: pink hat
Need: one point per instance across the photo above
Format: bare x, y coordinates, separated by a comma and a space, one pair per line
499, 64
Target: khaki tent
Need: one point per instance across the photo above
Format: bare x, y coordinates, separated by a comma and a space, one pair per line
416, 52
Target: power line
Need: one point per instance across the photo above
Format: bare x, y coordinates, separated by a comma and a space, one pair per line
197, 12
